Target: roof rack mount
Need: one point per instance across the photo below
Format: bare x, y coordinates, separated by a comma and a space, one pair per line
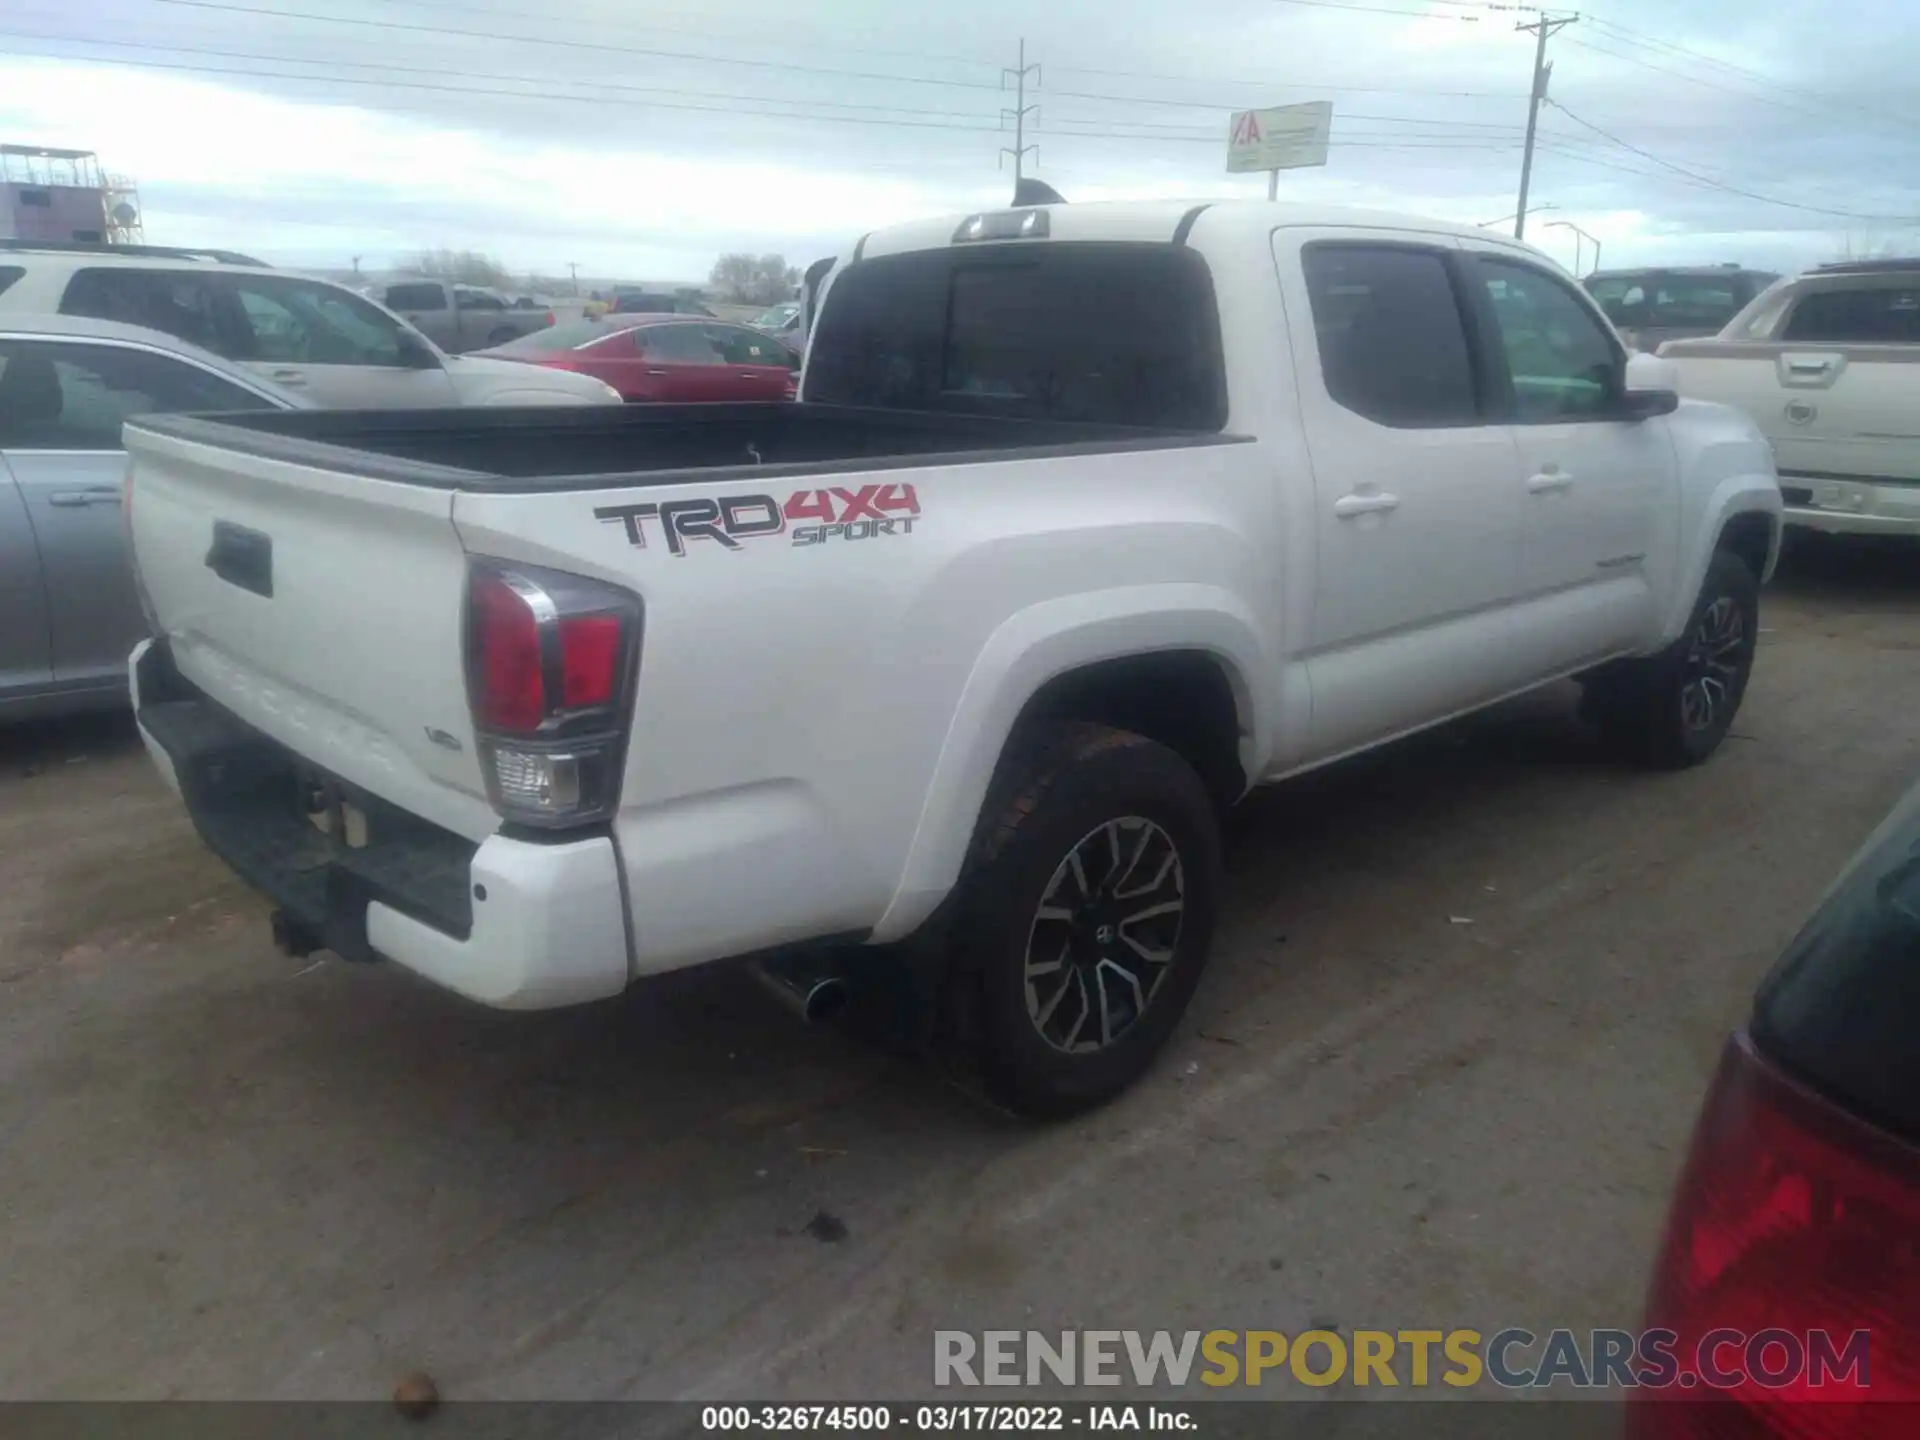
1867, 267
150, 252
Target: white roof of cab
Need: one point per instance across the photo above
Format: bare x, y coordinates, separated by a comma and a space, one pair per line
1158, 219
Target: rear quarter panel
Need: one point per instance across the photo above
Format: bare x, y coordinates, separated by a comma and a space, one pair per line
817, 718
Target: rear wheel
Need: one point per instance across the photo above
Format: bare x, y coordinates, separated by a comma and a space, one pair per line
1673, 709
1088, 913
500, 336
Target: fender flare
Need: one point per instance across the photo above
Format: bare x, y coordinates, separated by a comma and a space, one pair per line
1736, 495
1039, 644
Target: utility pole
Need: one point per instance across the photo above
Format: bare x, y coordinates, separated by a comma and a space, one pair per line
1021, 109
1541, 28
573, 269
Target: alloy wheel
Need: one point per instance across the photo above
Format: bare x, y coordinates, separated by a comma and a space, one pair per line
1104, 935
1712, 672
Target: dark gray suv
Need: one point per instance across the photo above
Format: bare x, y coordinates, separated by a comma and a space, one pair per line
1675, 303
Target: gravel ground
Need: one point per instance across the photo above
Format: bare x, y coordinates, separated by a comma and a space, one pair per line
1441, 1073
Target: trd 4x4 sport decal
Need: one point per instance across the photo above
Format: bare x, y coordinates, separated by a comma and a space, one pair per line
809, 517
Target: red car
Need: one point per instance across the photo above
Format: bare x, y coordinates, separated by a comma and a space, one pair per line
670, 359
1787, 1293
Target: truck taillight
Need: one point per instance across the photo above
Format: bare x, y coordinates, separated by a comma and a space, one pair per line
551, 661
1791, 1217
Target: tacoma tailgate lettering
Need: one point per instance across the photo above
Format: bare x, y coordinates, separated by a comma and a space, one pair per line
871, 510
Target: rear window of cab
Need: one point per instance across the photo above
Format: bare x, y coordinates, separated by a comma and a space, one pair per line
1116, 333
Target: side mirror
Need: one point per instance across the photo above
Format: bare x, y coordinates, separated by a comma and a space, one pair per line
1652, 387
416, 354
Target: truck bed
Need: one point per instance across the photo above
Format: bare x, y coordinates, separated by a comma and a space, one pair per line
520, 450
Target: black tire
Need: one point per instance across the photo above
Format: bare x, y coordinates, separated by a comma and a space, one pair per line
1673, 709
500, 337
1060, 788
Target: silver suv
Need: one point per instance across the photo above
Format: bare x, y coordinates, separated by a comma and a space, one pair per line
310, 336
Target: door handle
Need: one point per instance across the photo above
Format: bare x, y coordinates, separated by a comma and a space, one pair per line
1348, 507
289, 377
1548, 481
661, 373
80, 499
1809, 367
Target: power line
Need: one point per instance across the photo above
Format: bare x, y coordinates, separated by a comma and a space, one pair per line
1205, 105
1682, 75
480, 75
1366, 143
1381, 10
653, 24
1382, 142
596, 46
1148, 129
1626, 36
1269, 84
982, 129
1722, 185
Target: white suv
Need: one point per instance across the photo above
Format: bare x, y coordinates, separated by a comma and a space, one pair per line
309, 336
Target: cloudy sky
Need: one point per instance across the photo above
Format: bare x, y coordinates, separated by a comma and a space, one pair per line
641, 139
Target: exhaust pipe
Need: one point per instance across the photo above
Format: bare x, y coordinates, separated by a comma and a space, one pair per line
809, 985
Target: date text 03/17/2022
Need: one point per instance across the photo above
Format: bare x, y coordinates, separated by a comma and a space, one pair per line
879, 1419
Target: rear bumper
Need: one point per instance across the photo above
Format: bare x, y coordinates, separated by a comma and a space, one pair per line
517, 924
1840, 506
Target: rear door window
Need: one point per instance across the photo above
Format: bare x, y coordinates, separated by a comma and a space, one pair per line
56, 395
1881, 316
740, 346
299, 322
1117, 333
416, 297
181, 303
1393, 345
679, 345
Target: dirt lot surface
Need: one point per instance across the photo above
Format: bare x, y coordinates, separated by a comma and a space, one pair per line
1459, 1018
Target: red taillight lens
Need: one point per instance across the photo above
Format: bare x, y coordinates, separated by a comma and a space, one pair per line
550, 657
1791, 1215
509, 680
590, 648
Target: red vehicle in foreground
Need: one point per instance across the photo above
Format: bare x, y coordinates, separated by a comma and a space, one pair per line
1794, 1234
664, 358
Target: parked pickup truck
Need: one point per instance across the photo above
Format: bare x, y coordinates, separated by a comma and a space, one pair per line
459, 318
1089, 519
1828, 365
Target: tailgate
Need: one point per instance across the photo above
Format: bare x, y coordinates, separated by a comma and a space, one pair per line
322, 608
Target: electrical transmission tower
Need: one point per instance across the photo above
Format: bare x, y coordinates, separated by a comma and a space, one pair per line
1020, 149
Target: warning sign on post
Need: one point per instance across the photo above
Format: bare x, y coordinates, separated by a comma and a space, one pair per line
1285, 137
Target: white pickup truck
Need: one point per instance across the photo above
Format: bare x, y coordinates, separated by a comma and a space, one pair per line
1828, 365
1089, 519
